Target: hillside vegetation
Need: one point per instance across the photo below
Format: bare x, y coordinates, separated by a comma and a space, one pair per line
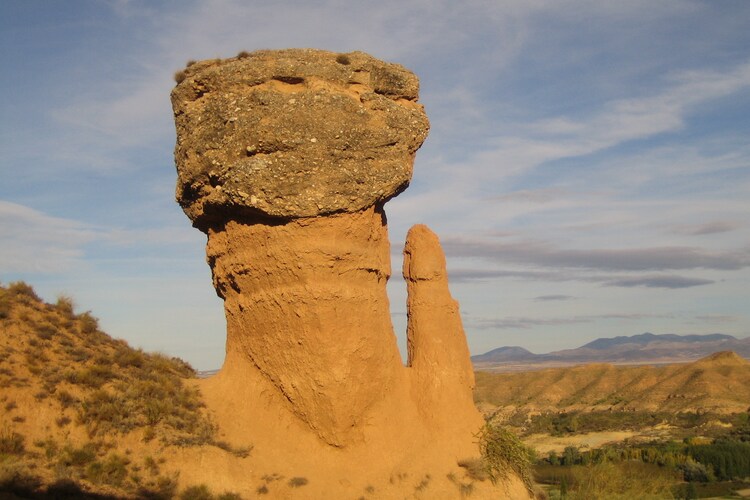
603, 431
719, 383
82, 414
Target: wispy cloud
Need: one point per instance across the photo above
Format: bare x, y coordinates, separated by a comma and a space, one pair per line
659, 281
717, 318
34, 242
629, 259
616, 122
547, 298
668, 281
513, 323
713, 227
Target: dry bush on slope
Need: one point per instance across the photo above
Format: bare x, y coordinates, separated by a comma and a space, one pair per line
113, 387
502, 452
87, 385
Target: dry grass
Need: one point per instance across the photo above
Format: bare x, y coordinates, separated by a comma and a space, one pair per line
88, 385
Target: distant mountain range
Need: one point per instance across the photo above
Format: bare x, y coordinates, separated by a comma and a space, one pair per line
645, 348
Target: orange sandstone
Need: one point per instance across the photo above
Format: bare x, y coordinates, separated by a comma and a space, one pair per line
285, 160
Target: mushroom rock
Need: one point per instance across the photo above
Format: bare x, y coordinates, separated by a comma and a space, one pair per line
285, 160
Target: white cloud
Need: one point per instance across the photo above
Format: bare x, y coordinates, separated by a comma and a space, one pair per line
616, 122
34, 242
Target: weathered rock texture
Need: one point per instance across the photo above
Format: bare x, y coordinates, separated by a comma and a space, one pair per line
294, 133
285, 159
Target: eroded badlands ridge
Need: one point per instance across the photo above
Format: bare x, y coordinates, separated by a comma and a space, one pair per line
285, 159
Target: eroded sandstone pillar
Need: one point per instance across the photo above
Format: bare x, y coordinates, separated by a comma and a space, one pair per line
285, 159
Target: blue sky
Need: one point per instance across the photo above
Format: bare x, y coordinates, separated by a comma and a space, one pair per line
588, 166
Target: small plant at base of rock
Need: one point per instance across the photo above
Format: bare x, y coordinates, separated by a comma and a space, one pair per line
501, 452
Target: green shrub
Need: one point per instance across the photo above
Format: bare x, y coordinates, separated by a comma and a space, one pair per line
501, 452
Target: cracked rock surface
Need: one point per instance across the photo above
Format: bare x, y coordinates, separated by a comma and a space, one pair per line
294, 133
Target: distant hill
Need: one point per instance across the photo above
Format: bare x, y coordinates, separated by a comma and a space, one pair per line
646, 348
718, 383
508, 353
647, 338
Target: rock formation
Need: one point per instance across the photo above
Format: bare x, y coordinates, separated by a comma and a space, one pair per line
285, 160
